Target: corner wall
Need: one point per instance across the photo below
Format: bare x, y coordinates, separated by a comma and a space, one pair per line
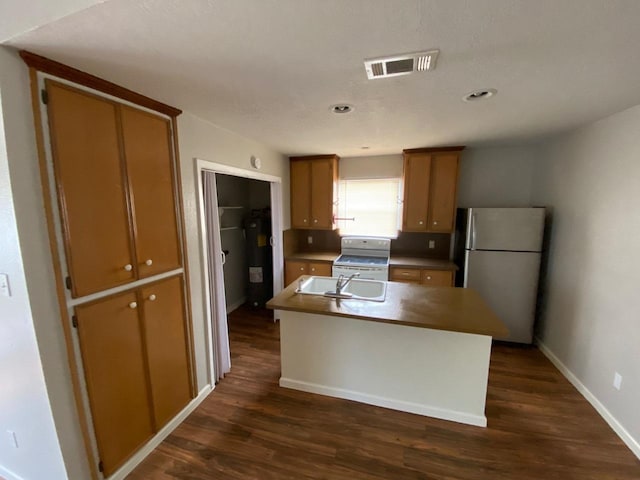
590, 179
24, 397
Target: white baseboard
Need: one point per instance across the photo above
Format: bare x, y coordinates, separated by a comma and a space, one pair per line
8, 474
235, 305
420, 409
141, 454
624, 435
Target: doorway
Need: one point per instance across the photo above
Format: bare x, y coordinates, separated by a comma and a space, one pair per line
231, 200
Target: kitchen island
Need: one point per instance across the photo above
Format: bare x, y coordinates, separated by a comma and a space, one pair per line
423, 350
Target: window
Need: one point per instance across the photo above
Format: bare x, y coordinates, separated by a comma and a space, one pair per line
373, 204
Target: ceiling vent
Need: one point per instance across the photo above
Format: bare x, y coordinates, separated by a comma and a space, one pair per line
403, 64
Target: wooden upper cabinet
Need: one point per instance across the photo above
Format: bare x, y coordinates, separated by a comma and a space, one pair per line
115, 181
314, 191
417, 171
442, 192
300, 179
430, 185
166, 343
113, 359
90, 178
147, 149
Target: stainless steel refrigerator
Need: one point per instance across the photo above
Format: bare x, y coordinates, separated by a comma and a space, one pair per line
498, 251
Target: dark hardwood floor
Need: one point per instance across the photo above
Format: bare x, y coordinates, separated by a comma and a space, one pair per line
540, 427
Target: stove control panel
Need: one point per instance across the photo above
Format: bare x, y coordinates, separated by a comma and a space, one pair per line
365, 243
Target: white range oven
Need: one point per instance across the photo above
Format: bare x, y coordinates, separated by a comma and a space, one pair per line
368, 256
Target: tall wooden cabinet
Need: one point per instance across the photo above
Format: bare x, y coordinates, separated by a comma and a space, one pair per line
115, 184
313, 191
119, 225
430, 184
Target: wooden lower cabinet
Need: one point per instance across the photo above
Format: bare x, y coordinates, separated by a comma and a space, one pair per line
136, 367
294, 268
434, 278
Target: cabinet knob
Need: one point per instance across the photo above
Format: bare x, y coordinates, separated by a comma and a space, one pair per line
304, 221
428, 277
435, 223
420, 222
301, 268
149, 262
152, 297
128, 267
313, 269
315, 220
133, 304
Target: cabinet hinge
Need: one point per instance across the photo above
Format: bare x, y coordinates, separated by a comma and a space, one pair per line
45, 96
67, 282
74, 321
100, 466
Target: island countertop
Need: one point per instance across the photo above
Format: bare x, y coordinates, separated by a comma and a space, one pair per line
441, 308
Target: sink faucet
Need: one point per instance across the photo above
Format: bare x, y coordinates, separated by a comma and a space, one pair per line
341, 283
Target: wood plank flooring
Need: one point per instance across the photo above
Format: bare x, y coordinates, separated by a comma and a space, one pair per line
540, 427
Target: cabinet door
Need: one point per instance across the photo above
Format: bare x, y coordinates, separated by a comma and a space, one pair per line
437, 278
147, 147
322, 178
321, 269
167, 352
300, 193
417, 169
407, 275
89, 175
293, 269
114, 367
442, 192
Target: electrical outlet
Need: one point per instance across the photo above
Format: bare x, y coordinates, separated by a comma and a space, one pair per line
432, 244
617, 381
13, 438
309, 239
4, 285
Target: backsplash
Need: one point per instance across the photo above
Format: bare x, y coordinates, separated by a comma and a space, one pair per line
407, 243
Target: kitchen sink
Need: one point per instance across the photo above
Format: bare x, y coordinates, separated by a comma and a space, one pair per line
356, 289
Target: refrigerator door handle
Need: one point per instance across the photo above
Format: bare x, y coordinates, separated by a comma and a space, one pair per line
473, 231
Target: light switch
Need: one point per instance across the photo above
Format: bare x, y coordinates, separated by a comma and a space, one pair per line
432, 244
4, 285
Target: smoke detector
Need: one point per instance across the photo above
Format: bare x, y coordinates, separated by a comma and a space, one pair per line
402, 64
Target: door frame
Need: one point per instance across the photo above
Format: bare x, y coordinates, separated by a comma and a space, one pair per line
275, 188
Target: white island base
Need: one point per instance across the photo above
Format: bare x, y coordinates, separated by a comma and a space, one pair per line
430, 372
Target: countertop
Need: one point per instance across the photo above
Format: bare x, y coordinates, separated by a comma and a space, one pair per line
394, 260
441, 308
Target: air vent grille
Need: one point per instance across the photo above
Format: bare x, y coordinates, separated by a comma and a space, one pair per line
403, 64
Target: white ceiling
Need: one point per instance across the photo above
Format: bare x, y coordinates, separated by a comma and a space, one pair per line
270, 69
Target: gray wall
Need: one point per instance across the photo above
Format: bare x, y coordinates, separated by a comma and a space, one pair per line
24, 401
591, 180
496, 176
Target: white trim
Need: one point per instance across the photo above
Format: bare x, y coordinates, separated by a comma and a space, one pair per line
123, 288
615, 425
202, 164
235, 305
403, 406
276, 226
8, 474
142, 453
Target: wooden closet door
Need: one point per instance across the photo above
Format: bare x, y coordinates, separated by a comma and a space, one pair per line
147, 147
114, 367
166, 340
300, 173
417, 169
90, 182
322, 172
